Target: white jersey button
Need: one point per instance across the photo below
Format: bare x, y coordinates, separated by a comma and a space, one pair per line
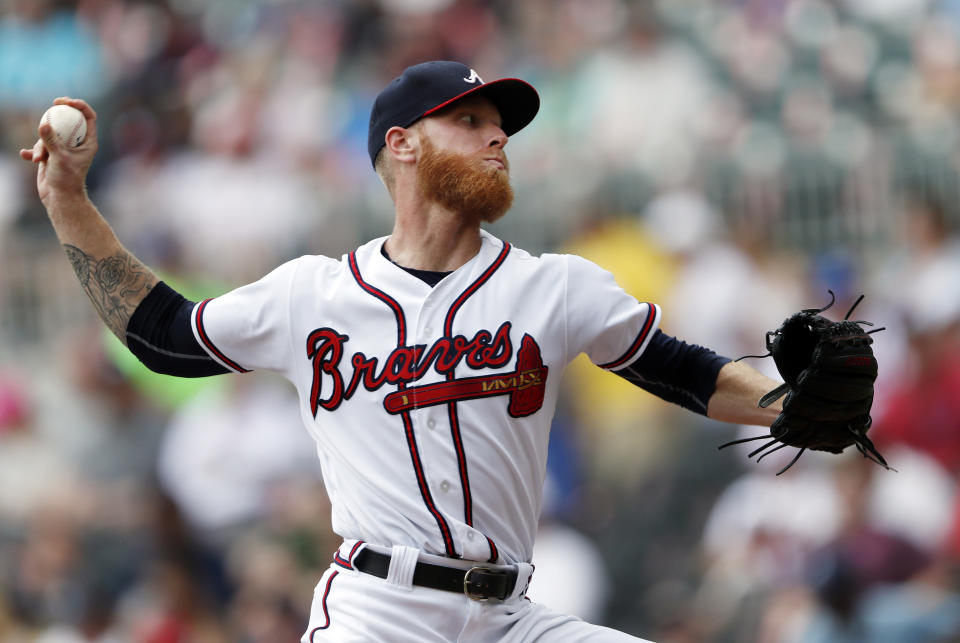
470, 535
444, 486
431, 423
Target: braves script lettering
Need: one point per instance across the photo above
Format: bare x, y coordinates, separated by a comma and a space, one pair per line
525, 387
404, 364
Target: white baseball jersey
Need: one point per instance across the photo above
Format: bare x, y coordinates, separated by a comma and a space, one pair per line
430, 406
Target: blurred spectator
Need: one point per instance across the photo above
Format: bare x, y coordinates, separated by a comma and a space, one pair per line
817, 563
11, 205
762, 527
33, 471
925, 609
920, 407
639, 99
562, 551
925, 268
226, 449
46, 51
730, 288
922, 411
890, 504
45, 583
171, 606
231, 213
265, 608
116, 431
883, 577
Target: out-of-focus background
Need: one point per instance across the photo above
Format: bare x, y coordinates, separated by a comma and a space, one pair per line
732, 161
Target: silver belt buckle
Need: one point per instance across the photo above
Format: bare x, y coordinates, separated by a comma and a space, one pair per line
469, 586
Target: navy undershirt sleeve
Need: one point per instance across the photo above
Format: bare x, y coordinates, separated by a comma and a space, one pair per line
160, 335
685, 374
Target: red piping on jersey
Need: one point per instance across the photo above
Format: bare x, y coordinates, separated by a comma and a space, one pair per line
637, 343
407, 422
494, 554
202, 332
452, 406
323, 604
347, 562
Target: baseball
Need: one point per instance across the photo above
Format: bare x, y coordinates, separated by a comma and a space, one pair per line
68, 124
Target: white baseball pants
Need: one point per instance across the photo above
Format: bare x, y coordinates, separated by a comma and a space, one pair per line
352, 606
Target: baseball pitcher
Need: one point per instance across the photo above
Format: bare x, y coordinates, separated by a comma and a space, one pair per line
427, 363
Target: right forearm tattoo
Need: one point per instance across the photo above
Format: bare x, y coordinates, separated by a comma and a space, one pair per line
115, 285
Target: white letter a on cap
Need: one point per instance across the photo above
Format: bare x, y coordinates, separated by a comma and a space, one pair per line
474, 77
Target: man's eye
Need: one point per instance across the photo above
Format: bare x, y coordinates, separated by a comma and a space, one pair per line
468, 118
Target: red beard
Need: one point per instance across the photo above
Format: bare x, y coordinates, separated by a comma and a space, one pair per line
463, 184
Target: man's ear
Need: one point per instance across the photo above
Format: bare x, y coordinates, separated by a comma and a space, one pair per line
401, 144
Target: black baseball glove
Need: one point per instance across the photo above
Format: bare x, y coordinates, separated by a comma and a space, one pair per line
828, 370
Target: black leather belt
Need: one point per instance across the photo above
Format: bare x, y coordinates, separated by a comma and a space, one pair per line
479, 583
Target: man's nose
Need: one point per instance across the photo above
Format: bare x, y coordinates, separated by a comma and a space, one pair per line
497, 137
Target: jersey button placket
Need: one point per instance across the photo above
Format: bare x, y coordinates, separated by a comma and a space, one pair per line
426, 337
426, 327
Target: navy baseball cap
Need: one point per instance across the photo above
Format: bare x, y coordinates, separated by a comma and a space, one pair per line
428, 87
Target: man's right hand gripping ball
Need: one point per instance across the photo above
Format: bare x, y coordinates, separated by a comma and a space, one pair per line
63, 169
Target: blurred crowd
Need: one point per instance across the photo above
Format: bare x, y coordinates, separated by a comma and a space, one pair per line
732, 161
